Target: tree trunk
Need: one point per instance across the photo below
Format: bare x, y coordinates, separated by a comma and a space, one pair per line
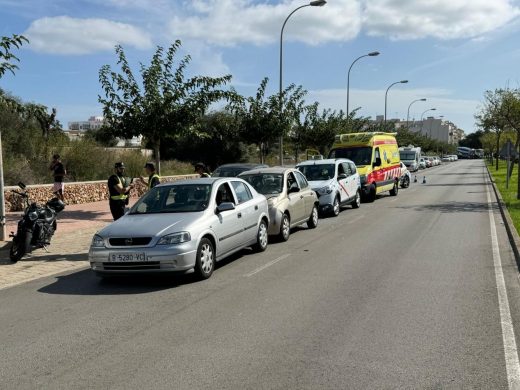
157, 155
498, 150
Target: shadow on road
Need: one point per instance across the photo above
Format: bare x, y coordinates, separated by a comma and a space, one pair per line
456, 184
40, 255
87, 283
451, 207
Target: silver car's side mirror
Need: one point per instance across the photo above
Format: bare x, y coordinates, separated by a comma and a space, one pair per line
225, 206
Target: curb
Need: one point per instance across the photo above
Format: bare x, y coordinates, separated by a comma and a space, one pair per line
512, 234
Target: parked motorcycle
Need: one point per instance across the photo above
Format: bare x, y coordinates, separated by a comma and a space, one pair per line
36, 227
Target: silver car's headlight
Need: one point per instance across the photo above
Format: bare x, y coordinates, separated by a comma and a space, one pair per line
33, 215
325, 190
97, 242
175, 238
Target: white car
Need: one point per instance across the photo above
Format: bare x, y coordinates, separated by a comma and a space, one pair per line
406, 177
336, 182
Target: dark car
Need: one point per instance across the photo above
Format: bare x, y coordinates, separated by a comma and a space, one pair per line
233, 170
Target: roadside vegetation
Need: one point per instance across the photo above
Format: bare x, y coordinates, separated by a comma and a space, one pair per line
508, 194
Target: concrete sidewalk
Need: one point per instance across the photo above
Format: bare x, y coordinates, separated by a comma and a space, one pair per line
68, 250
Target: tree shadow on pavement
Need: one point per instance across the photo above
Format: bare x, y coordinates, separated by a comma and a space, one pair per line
451, 207
87, 283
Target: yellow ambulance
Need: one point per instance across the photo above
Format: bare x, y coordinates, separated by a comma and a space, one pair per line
376, 156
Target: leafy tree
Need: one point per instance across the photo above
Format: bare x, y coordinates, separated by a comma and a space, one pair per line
165, 105
216, 137
7, 58
261, 118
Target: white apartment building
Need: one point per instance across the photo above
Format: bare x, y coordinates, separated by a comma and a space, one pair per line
77, 130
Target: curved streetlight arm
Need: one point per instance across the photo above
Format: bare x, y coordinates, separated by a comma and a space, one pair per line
386, 94
348, 79
408, 112
281, 46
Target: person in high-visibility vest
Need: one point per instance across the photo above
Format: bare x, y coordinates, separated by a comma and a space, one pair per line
119, 190
153, 178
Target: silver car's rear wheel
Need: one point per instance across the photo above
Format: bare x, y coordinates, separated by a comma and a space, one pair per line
313, 219
205, 262
262, 238
285, 228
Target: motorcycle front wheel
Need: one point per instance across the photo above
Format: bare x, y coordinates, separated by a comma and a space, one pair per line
19, 247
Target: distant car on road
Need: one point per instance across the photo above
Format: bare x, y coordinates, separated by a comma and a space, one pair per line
422, 163
336, 181
233, 170
291, 200
189, 224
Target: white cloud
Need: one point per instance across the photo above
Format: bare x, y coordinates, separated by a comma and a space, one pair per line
66, 35
206, 60
229, 22
372, 103
443, 19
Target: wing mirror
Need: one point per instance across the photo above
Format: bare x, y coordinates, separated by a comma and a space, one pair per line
225, 206
342, 176
377, 163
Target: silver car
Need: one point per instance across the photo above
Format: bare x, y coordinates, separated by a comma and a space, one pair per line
183, 226
292, 202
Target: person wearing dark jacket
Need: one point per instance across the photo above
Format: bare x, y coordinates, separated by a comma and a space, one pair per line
200, 168
119, 190
58, 172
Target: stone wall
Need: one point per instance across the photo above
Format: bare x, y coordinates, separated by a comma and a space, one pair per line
75, 193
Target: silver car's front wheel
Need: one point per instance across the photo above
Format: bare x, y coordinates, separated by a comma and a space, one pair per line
205, 262
313, 219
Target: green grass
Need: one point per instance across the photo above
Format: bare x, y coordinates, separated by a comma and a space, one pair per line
508, 194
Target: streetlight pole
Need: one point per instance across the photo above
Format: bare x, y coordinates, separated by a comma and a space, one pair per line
422, 116
317, 3
386, 93
408, 113
371, 54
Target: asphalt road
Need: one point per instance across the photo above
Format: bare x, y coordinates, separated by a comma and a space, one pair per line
401, 293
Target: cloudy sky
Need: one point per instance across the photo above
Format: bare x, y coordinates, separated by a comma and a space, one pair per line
451, 51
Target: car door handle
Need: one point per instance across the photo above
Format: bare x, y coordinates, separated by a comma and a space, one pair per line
301, 196
256, 208
239, 215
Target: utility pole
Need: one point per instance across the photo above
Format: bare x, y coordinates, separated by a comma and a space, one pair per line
3, 235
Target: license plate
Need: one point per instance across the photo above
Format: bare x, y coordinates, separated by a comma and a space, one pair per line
126, 257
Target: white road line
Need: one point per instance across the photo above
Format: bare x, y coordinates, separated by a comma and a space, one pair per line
355, 219
508, 333
272, 262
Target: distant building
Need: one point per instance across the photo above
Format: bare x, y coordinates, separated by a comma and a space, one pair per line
435, 128
93, 123
77, 130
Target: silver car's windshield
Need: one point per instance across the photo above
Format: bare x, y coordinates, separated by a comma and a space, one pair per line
265, 183
180, 198
318, 171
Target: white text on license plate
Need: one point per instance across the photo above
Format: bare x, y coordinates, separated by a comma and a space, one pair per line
123, 257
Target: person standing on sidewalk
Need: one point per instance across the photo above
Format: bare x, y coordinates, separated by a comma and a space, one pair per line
58, 171
119, 190
200, 168
153, 178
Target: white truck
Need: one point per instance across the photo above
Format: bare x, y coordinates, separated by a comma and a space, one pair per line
410, 156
